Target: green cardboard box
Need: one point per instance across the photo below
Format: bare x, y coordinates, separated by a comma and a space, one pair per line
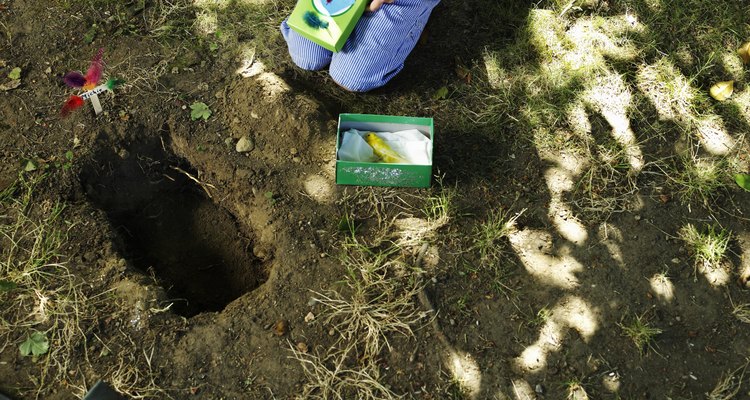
381, 174
326, 22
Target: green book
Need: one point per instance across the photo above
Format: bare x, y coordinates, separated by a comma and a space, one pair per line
326, 22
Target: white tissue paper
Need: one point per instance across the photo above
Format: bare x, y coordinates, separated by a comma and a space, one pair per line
411, 144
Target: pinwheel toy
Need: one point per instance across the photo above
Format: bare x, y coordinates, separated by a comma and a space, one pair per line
89, 84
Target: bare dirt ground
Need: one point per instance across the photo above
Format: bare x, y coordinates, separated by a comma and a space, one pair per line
204, 267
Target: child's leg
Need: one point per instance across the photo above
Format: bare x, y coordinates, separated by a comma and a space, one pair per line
306, 54
380, 43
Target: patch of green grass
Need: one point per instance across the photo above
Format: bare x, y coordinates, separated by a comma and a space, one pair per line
462, 305
490, 235
541, 317
440, 207
640, 331
708, 247
46, 297
698, 178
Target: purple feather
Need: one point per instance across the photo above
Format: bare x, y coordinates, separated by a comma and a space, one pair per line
74, 79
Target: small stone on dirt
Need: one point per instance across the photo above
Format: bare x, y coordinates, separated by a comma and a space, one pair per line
309, 317
294, 151
280, 328
302, 347
675, 260
245, 145
229, 142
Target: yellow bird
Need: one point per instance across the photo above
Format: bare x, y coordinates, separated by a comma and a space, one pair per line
383, 151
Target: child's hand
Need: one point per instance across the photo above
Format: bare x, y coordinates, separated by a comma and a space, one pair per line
375, 5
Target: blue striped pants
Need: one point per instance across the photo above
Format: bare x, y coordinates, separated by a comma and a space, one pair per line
376, 50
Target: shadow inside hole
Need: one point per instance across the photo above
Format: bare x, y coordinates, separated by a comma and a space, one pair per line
168, 227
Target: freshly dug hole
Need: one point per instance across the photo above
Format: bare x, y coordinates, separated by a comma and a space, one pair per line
169, 228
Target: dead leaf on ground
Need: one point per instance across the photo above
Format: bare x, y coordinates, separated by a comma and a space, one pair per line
463, 71
744, 52
309, 317
441, 93
280, 328
722, 90
302, 347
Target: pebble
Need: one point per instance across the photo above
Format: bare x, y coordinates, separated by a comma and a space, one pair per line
296, 160
294, 151
539, 389
675, 260
229, 142
245, 145
309, 317
302, 347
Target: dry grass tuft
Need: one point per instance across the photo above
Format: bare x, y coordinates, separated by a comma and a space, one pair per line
729, 384
376, 301
46, 297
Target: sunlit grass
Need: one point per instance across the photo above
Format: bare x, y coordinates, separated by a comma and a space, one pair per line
576, 391
708, 247
698, 178
668, 89
489, 235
